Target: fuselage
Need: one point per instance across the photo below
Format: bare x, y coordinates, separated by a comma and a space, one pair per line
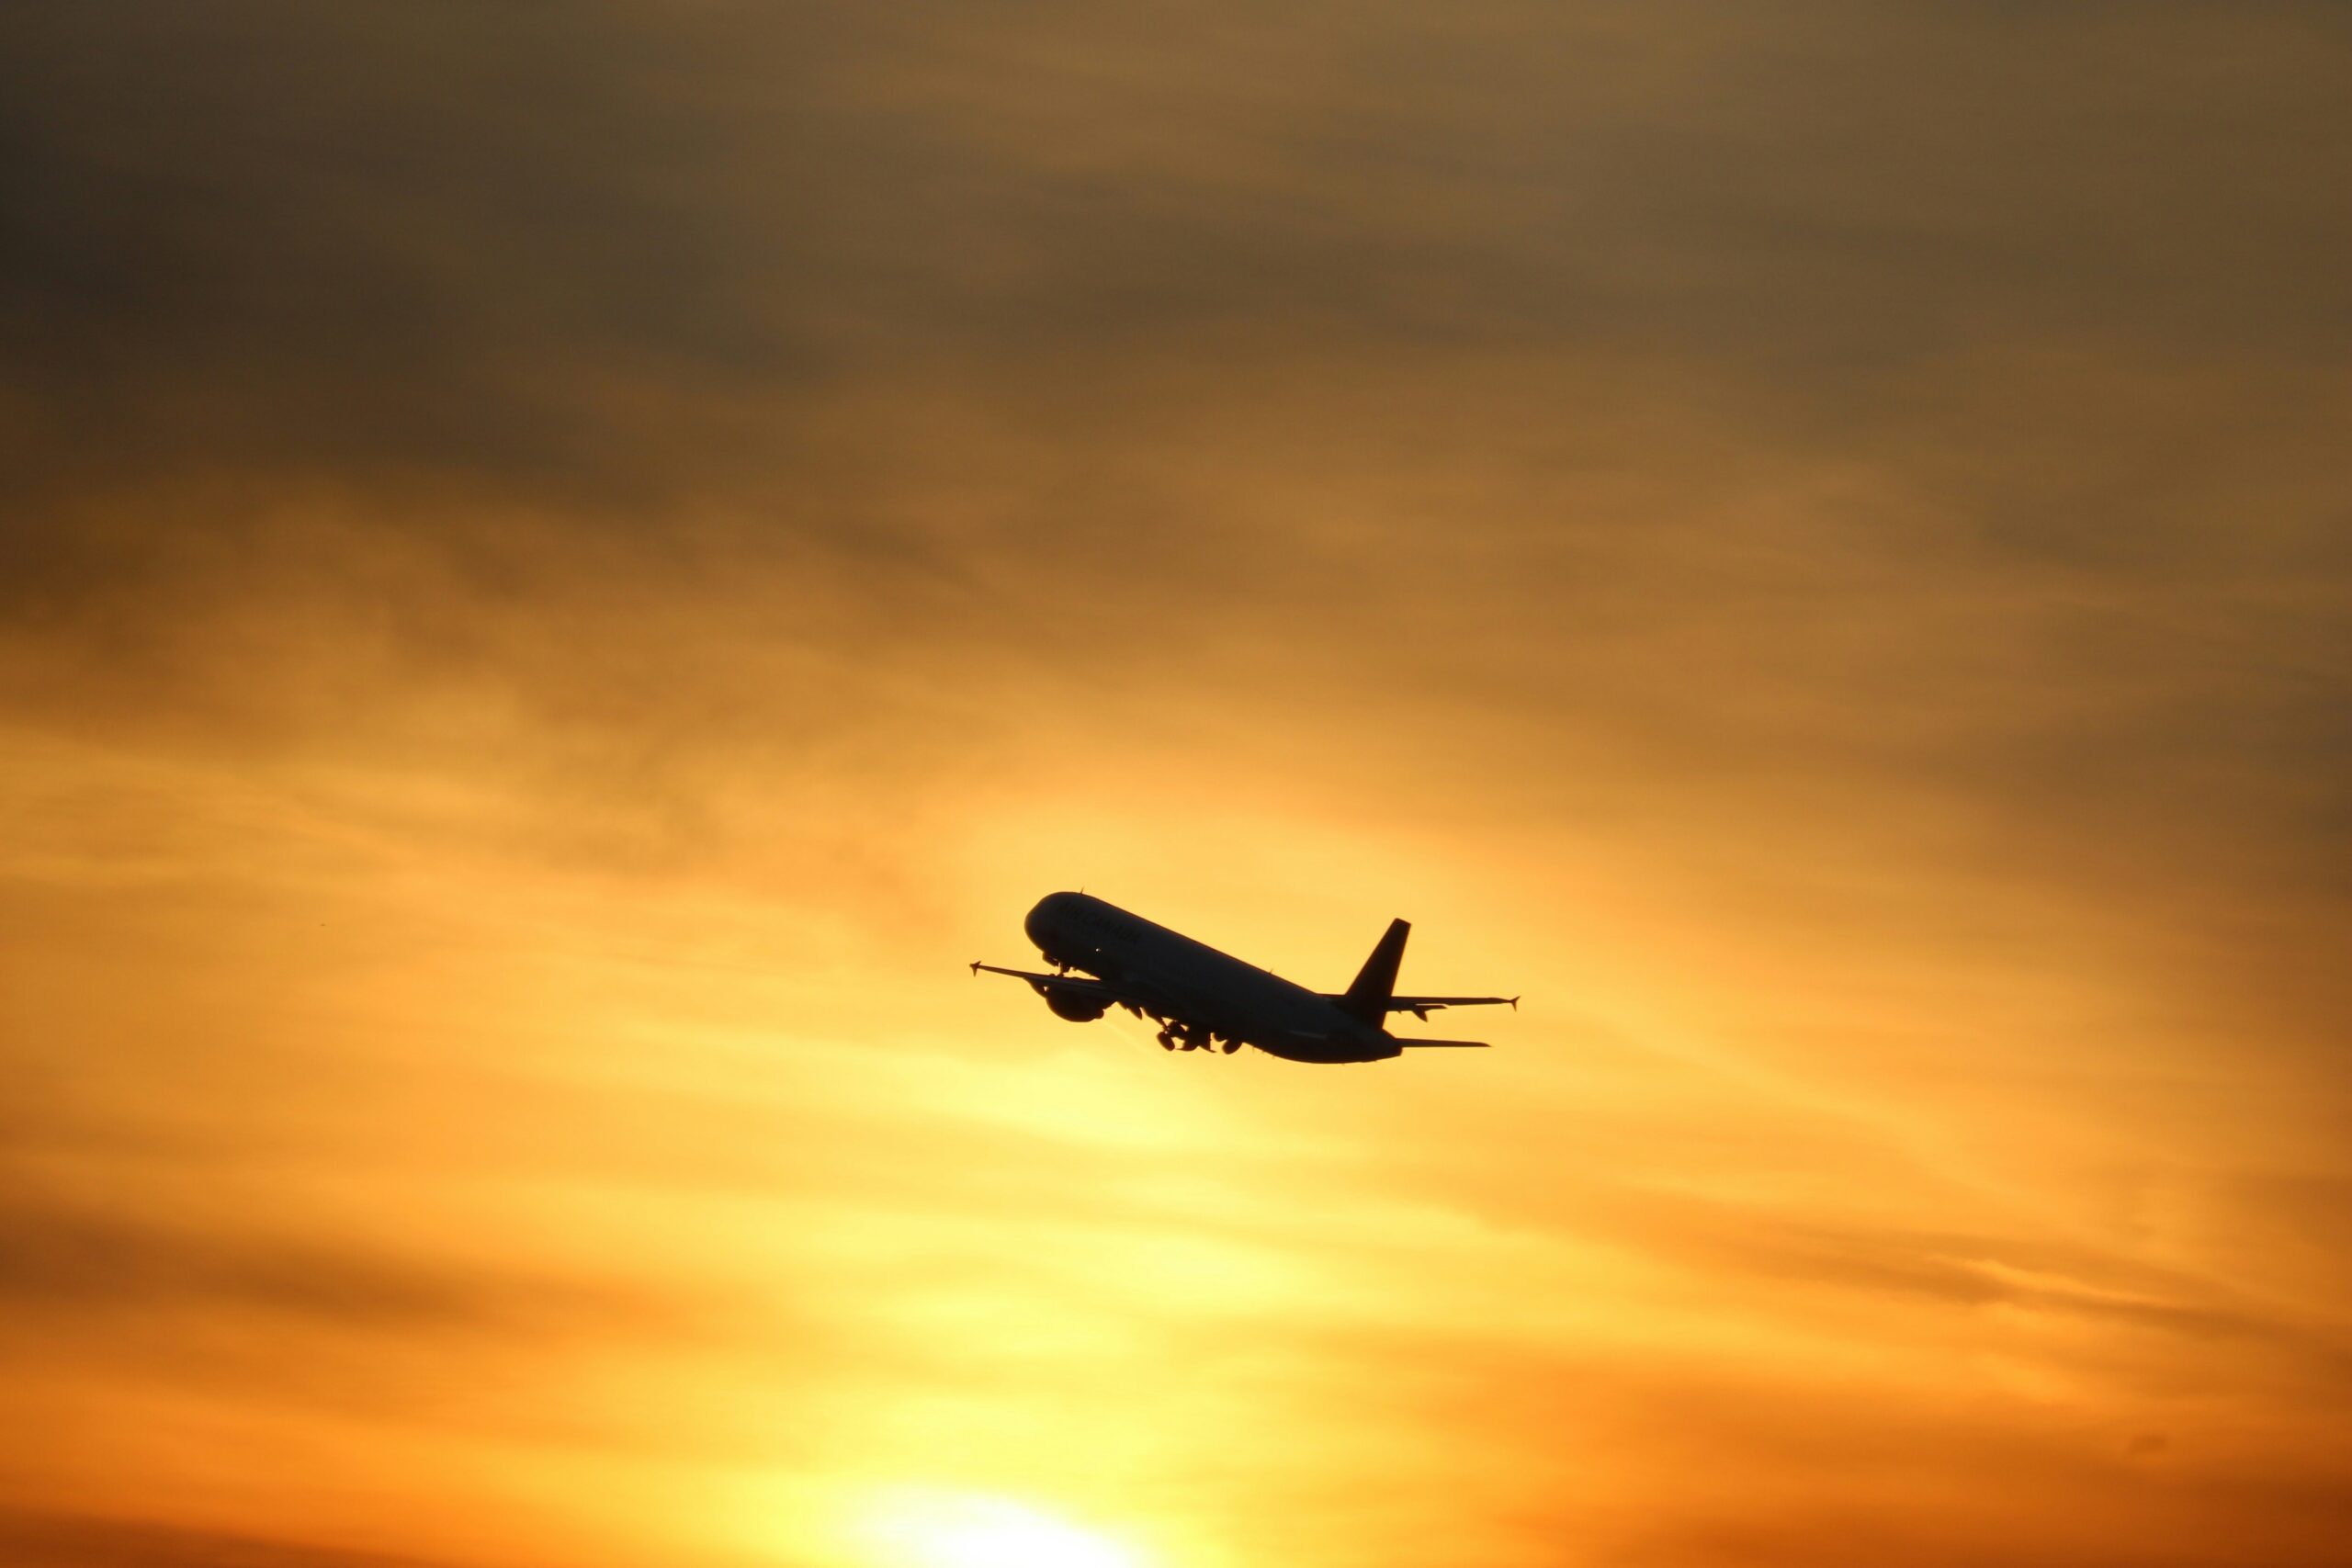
1193, 981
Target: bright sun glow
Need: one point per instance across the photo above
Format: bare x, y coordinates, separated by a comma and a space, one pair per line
929, 1529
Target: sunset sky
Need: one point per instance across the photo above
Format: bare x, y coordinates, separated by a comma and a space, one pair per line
564, 567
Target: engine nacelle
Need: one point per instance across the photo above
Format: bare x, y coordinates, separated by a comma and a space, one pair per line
1078, 1010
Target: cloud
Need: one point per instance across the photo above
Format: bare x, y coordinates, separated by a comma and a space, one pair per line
77, 1260
43, 1539
616, 222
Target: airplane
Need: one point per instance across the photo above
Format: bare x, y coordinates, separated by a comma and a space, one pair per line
1203, 998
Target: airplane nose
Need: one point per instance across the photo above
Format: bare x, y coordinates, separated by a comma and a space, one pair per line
1040, 921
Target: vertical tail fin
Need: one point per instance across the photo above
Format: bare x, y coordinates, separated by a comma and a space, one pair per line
1367, 998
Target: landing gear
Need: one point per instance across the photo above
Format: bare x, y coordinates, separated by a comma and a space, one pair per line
1177, 1036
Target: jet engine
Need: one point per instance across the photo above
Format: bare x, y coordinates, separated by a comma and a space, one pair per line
1078, 1010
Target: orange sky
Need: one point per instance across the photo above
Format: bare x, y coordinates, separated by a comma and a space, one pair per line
567, 567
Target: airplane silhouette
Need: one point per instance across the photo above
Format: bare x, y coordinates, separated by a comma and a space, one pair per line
1201, 998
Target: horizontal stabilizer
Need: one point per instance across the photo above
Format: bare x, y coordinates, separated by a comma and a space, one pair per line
1458, 1044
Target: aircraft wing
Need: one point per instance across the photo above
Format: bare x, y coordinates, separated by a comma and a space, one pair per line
1075, 985
1069, 984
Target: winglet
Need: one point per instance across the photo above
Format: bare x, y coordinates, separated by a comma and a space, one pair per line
976, 966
